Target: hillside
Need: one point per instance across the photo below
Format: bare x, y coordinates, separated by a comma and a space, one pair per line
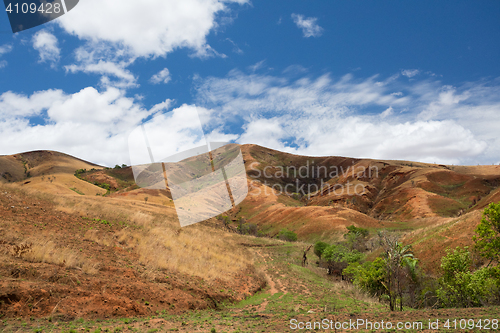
316, 197
432, 206
64, 236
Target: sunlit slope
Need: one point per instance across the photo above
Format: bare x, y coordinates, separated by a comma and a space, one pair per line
382, 189
48, 171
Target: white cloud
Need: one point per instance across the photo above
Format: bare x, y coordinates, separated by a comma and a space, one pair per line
107, 68
89, 124
162, 76
257, 66
117, 35
344, 116
295, 70
308, 25
5, 49
410, 72
47, 46
325, 116
236, 49
14, 105
388, 112
150, 27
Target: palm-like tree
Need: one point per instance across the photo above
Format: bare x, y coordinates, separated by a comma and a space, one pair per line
397, 257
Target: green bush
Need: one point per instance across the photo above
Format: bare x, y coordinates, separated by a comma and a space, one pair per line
459, 287
79, 172
247, 229
319, 248
370, 276
287, 235
339, 255
357, 231
488, 233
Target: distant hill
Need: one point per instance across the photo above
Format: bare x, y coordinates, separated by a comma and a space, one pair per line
432, 206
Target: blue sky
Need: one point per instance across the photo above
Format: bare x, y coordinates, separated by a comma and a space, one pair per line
414, 80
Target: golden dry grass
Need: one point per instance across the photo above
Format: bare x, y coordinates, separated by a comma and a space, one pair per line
44, 250
154, 234
346, 288
195, 251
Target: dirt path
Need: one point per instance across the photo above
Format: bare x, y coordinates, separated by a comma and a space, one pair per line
271, 283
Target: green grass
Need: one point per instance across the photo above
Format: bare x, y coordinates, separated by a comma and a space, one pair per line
253, 300
77, 191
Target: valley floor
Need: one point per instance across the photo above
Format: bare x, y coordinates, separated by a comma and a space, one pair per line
294, 296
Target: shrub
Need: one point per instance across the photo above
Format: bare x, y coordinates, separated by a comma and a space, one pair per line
287, 235
461, 288
370, 276
488, 233
356, 238
319, 248
357, 231
339, 257
248, 229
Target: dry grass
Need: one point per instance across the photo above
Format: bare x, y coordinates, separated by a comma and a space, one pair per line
153, 233
141, 219
196, 251
159, 241
99, 237
35, 250
346, 288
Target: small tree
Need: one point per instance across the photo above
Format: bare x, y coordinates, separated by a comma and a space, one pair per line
356, 238
226, 220
488, 234
397, 256
240, 228
319, 248
338, 257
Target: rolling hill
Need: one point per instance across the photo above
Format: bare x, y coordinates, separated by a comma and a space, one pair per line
316, 197
68, 227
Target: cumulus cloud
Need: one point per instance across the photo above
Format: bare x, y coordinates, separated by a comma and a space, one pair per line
308, 25
89, 124
162, 76
148, 28
17, 105
110, 64
117, 35
325, 116
47, 46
